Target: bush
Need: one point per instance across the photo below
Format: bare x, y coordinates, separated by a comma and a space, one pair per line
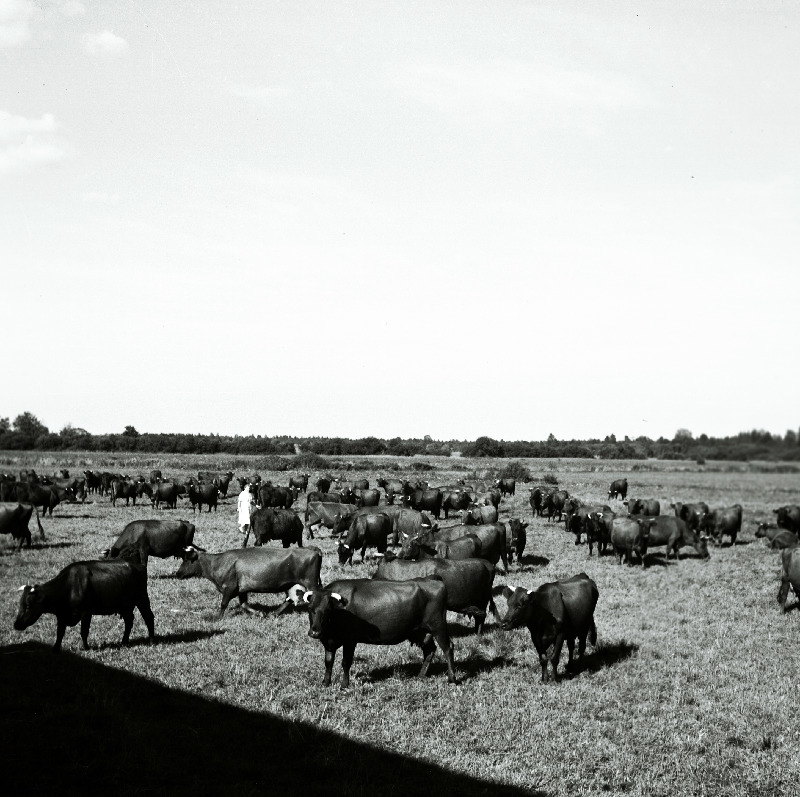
273, 463
421, 466
515, 470
309, 461
550, 478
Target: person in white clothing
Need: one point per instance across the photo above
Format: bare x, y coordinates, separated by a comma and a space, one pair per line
245, 506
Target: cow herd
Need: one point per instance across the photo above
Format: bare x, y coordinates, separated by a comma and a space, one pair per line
423, 570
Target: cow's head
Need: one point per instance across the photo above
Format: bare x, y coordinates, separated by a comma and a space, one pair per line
519, 537
519, 607
321, 606
31, 607
701, 546
345, 552
762, 529
190, 566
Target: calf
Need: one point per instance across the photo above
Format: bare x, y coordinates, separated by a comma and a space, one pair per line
557, 611
239, 572
379, 613
84, 589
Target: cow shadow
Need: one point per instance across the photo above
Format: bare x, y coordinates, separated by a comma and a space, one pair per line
192, 744
531, 560
655, 560
466, 669
173, 638
605, 655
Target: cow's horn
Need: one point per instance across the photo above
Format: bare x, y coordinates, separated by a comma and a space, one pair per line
530, 592
188, 548
23, 587
307, 596
336, 596
345, 545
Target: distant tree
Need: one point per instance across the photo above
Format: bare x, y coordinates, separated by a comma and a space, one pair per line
551, 438
611, 438
5, 425
683, 435
130, 431
30, 426
790, 438
484, 447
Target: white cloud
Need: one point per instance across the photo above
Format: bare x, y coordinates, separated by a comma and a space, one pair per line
72, 8
15, 22
259, 93
100, 198
28, 143
105, 43
12, 125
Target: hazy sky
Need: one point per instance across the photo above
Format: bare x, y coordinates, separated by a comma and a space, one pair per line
456, 219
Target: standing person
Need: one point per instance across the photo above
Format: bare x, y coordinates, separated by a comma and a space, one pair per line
245, 506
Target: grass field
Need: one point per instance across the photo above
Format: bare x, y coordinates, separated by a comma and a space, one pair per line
691, 690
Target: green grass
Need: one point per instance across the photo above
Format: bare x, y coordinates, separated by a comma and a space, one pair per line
691, 690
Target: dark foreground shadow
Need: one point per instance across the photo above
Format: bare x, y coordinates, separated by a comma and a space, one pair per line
102, 725
531, 560
605, 655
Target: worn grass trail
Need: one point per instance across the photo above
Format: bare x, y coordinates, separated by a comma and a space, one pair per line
691, 690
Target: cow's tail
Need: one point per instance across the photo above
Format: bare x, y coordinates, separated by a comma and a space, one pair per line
39, 522
593, 634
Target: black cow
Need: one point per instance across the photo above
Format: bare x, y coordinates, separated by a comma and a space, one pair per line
631, 535
468, 581
324, 513
490, 498
693, 514
553, 504
167, 493
46, 497
465, 547
203, 493
394, 487
506, 486
788, 517
580, 520
643, 506
360, 484
724, 521
93, 481
300, 481
556, 611
275, 524
675, 533
778, 538
790, 575
159, 538
366, 531
324, 483
426, 500
491, 536
84, 589
479, 515
239, 572
599, 523
270, 495
350, 611
156, 476
367, 497
124, 489
14, 519
516, 538
454, 501
618, 488
537, 498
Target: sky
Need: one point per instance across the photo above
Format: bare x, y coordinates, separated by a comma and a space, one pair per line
400, 218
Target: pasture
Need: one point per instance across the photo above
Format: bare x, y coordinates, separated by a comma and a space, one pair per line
691, 689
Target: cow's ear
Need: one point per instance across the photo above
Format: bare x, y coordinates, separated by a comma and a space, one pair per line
508, 591
342, 602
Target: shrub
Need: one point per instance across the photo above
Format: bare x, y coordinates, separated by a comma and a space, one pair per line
550, 478
421, 466
515, 470
310, 461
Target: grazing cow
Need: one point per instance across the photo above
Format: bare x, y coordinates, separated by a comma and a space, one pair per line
159, 538
643, 506
629, 536
367, 497
454, 501
492, 538
506, 486
788, 517
516, 538
426, 500
466, 547
537, 498
693, 514
366, 531
14, 519
790, 575
325, 498
553, 504
270, 495
478, 515
84, 589
618, 488
778, 538
675, 533
300, 481
468, 581
239, 572
203, 493
167, 493
275, 524
350, 611
324, 513
556, 611
724, 521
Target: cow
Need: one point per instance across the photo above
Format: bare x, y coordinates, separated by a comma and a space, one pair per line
555, 612
426, 500
492, 538
93, 481
619, 487
367, 497
123, 489
14, 519
324, 513
675, 533
778, 538
156, 476
204, 493
723, 521
516, 538
580, 521
454, 501
167, 493
643, 506
350, 611
394, 487
46, 497
468, 581
693, 514
323, 484
275, 524
360, 484
83, 589
490, 498
239, 572
598, 525
325, 498
790, 575
366, 531
300, 481
537, 498
553, 504
466, 547
478, 515
506, 486
629, 536
159, 538
270, 495
788, 517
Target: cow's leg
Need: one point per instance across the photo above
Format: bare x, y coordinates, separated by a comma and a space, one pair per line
60, 630
428, 651
480, 619
244, 604
228, 594
330, 655
86, 621
147, 615
783, 592
127, 617
570, 653
348, 651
